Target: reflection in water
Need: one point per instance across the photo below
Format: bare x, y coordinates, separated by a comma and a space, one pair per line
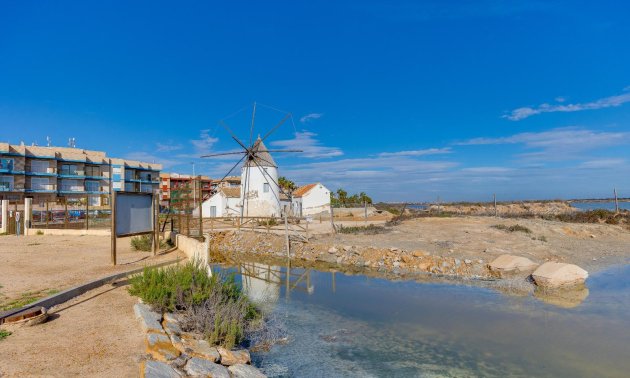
361, 326
566, 298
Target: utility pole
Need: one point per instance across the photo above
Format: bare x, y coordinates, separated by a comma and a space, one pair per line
616, 201
194, 187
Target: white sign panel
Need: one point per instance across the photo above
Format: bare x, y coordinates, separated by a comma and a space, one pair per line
134, 213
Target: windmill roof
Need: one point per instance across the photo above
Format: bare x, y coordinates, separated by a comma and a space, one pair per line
261, 156
302, 190
232, 192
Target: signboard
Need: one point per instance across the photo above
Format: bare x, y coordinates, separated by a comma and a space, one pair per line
133, 213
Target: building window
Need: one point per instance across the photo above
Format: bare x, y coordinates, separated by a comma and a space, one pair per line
91, 186
71, 186
39, 166
69, 169
266, 187
6, 164
6, 183
40, 184
93, 171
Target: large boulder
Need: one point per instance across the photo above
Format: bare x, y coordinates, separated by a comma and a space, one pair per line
156, 369
233, 357
554, 275
512, 264
245, 371
159, 346
199, 367
149, 319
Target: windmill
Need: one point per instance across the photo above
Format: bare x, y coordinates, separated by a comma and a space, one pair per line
258, 168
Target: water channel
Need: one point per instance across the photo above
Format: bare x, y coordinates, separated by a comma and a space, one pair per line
358, 326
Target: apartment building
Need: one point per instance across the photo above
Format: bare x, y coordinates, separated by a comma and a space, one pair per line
175, 188
71, 174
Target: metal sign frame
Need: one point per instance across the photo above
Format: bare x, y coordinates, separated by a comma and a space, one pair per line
154, 218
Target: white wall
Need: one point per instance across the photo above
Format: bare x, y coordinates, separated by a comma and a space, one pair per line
257, 202
316, 200
218, 200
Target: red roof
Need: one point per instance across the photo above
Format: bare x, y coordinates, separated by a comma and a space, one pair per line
302, 190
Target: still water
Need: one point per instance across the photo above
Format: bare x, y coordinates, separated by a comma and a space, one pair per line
357, 326
600, 205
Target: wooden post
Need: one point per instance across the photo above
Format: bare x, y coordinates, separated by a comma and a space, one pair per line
332, 220
65, 215
200, 196
616, 201
286, 231
187, 206
113, 224
496, 213
87, 211
47, 214
156, 239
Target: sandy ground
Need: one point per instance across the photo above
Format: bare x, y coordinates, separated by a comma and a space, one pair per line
94, 335
39, 264
591, 246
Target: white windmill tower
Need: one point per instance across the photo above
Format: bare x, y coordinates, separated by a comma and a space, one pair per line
260, 191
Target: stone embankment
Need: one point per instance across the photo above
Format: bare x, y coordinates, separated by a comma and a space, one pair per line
174, 353
508, 209
234, 245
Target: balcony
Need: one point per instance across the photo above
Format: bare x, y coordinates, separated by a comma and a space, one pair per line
45, 188
42, 172
64, 173
6, 187
6, 165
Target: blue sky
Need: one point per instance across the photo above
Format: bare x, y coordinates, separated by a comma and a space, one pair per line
405, 100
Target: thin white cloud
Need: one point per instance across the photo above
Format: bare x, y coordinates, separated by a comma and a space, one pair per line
162, 147
204, 144
606, 102
558, 144
309, 144
428, 151
602, 163
309, 117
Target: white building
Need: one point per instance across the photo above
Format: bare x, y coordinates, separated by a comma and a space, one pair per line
224, 203
258, 194
311, 199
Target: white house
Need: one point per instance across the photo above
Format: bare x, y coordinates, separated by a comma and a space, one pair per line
311, 199
258, 194
224, 203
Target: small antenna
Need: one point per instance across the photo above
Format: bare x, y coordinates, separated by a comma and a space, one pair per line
72, 142
48, 141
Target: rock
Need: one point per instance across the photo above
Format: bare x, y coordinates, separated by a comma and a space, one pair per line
406, 259
333, 250
467, 262
328, 258
592, 236
157, 369
396, 264
233, 357
394, 249
149, 319
172, 327
199, 367
202, 349
555, 275
159, 346
419, 253
346, 248
245, 371
510, 264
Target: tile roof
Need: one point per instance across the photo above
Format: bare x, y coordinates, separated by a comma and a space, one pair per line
232, 192
302, 190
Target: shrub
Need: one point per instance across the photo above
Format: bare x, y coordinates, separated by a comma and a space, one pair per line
212, 305
513, 228
371, 229
4, 334
143, 243
40, 232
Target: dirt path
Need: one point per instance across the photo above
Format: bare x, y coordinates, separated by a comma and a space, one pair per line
35, 266
94, 335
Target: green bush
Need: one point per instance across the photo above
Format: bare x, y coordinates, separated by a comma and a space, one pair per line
212, 305
4, 334
513, 228
143, 243
371, 229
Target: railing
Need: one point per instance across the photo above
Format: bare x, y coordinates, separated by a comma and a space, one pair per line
6, 165
6, 187
43, 187
72, 188
65, 172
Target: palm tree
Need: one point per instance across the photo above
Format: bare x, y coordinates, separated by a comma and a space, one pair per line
286, 184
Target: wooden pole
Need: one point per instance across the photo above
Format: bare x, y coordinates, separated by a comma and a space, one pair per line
200, 207
156, 238
87, 211
616, 201
495, 205
286, 231
332, 220
113, 224
47, 214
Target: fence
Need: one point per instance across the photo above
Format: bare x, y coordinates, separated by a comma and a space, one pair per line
184, 211
82, 213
